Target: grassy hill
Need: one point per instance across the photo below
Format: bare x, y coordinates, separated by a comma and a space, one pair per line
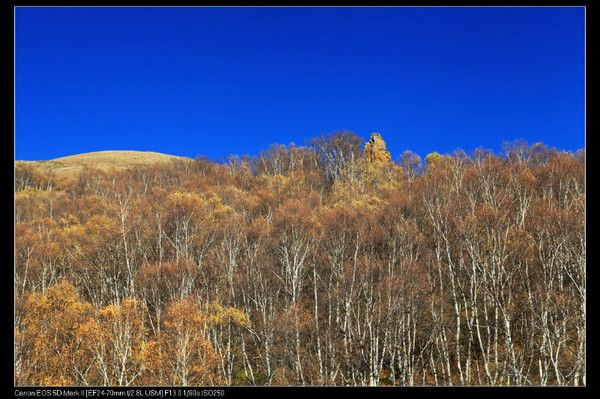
69, 166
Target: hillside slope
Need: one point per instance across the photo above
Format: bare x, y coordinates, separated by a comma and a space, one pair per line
65, 167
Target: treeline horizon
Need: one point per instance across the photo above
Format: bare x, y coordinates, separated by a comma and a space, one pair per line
305, 266
311, 143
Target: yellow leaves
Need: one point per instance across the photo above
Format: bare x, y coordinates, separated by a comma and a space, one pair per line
100, 225
275, 182
129, 307
148, 352
123, 322
218, 315
56, 381
75, 230
243, 239
186, 313
60, 298
68, 220
291, 185
108, 312
28, 193
433, 158
367, 185
152, 357
188, 355
241, 199
51, 325
192, 204
345, 194
89, 331
217, 208
113, 340
93, 229
187, 200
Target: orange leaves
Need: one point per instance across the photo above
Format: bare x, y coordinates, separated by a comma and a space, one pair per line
151, 355
60, 303
184, 315
112, 346
50, 327
188, 356
121, 337
305, 265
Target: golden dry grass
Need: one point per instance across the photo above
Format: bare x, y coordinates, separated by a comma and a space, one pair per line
108, 159
66, 167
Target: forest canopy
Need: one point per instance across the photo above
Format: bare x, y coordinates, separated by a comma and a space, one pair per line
305, 266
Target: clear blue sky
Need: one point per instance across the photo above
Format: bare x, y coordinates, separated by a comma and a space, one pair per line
220, 81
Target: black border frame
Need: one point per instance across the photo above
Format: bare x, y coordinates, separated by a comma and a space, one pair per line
7, 163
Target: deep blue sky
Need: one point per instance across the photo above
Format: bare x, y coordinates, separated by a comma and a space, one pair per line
219, 81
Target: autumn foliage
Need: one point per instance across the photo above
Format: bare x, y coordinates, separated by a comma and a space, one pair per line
305, 266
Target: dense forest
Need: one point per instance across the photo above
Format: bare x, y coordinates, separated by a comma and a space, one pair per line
312, 265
